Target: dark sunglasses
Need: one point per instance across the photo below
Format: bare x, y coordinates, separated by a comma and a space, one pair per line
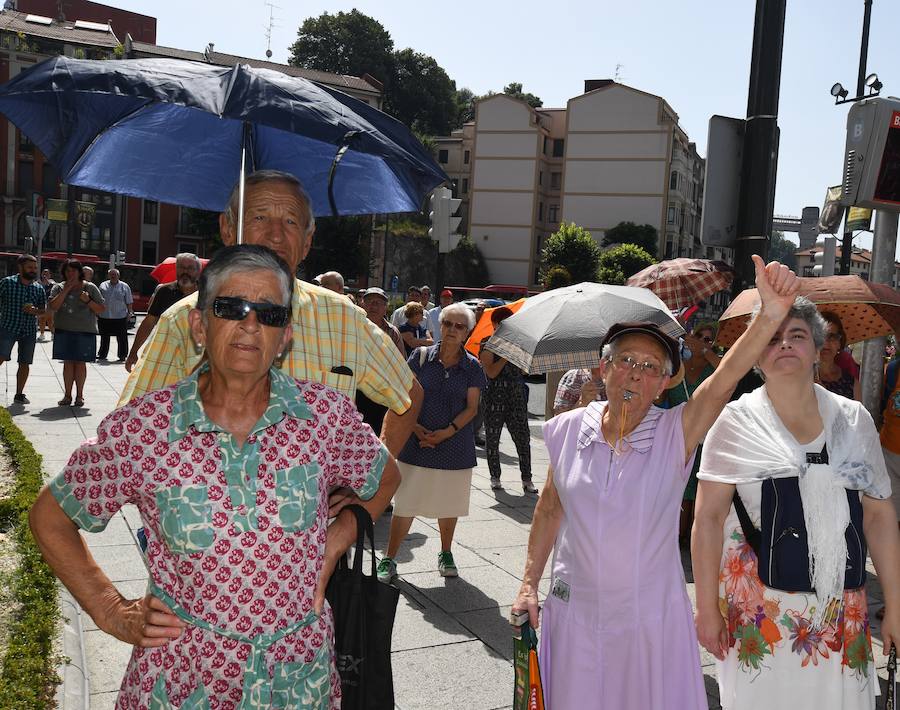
706, 339
454, 324
233, 308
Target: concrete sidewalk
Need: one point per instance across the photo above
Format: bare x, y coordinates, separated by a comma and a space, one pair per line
451, 645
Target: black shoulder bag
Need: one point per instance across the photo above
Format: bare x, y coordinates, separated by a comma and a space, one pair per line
781, 547
364, 610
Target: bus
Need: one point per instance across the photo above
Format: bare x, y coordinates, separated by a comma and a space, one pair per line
137, 276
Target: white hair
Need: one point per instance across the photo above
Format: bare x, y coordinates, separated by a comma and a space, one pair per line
458, 309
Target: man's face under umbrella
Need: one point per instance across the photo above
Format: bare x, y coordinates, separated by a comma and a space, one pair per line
274, 217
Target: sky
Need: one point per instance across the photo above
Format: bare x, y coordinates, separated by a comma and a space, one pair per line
693, 53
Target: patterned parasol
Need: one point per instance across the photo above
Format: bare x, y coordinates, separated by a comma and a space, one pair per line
684, 282
866, 309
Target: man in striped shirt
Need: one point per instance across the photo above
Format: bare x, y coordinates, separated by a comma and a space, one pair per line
334, 343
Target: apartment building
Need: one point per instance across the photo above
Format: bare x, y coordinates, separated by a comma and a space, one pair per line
613, 154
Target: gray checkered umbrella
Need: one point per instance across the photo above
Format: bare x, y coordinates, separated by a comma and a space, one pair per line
563, 328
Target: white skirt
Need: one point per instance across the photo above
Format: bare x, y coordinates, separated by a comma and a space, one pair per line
432, 492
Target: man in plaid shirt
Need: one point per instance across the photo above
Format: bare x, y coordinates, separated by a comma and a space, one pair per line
22, 299
334, 342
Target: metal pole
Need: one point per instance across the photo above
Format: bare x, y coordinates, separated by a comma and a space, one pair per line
884, 245
760, 155
828, 256
847, 246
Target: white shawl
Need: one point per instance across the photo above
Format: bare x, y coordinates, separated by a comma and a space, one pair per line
749, 443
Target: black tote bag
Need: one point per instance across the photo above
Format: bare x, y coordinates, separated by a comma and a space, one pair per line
364, 610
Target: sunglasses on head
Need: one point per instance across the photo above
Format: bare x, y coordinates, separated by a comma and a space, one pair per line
234, 308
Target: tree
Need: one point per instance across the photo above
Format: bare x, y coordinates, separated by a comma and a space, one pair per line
643, 236
514, 89
465, 106
421, 95
340, 244
557, 277
783, 249
620, 262
574, 249
203, 223
346, 43
465, 265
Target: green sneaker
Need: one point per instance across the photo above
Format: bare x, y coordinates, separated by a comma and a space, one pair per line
386, 570
446, 565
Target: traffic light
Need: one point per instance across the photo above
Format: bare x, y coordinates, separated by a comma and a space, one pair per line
825, 258
439, 216
872, 155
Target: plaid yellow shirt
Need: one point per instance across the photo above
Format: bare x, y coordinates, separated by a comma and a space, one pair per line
329, 332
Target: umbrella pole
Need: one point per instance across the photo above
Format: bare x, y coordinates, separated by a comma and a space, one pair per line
245, 139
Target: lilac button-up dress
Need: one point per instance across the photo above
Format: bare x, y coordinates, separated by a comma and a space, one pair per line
617, 628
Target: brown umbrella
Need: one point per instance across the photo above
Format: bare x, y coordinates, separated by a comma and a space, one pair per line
684, 282
866, 309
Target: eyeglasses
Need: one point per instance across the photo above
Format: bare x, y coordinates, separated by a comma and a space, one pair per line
626, 362
454, 324
833, 336
706, 339
233, 308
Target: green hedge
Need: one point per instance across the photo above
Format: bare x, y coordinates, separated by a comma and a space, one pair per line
28, 676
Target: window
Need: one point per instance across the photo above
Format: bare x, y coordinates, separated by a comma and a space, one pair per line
465, 186
544, 151
540, 177
185, 247
559, 147
454, 187
49, 181
25, 145
670, 217
442, 157
553, 214
466, 157
540, 211
555, 181
673, 181
26, 177
151, 212
668, 248
148, 252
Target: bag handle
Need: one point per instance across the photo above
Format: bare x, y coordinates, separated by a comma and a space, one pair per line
364, 526
751, 534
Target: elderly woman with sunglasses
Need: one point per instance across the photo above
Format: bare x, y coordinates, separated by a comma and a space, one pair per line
230, 470
618, 629
436, 463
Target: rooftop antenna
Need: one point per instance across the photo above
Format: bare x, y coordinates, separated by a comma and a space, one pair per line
619, 77
269, 27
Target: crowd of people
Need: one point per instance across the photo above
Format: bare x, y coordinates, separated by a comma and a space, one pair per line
263, 405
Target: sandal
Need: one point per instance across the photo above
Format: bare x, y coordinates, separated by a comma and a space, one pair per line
79, 402
65, 402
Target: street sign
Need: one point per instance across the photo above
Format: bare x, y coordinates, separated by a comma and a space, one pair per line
38, 226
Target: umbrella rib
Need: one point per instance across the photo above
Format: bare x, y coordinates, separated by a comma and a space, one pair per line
87, 149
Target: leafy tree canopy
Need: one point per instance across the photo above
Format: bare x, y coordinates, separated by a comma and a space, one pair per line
574, 249
465, 265
465, 106
643, 235
421, 94
514, 89
782, 249
345, 43
620, 262
341, 244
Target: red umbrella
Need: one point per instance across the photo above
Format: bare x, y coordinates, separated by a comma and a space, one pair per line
165, 271
684, 282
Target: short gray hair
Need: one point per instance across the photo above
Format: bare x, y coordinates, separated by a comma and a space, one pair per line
240, 258
805, 310
458, 309
188, 256
261, 176
610, 349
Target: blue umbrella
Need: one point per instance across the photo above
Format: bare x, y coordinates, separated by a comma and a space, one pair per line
180, 132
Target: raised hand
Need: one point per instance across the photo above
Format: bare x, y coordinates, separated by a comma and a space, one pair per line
778, 287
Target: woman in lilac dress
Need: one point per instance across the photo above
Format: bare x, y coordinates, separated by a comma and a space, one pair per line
617, 627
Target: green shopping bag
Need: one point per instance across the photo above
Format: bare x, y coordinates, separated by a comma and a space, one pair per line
528, 693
